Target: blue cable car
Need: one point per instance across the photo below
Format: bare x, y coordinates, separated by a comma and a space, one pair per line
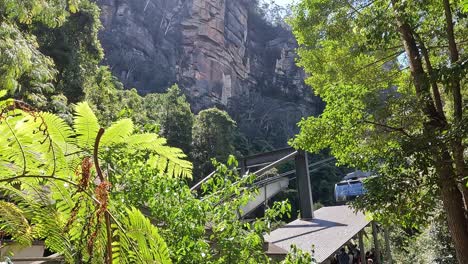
348, 190
351, 186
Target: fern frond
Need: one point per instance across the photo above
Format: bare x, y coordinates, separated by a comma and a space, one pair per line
141, 242
117, 132
23, 149
46, 221
14, 223
59, 132
86, 126
168, 159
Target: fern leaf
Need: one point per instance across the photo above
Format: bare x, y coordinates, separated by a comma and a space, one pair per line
172, 160
140, 242
117, 132
86, 126
14, 223
59, 132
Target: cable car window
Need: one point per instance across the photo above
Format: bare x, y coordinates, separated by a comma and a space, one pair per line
345, 191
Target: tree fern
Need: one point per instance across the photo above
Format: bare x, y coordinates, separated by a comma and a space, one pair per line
138, 241
59, 199
14, 223
86, 126
168, 159
117, 133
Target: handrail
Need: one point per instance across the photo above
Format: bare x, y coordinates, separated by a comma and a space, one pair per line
273, 164
196, 186
258, 172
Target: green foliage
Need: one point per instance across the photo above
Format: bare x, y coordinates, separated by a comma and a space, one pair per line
61, 200
136, 231
172, 112
161, 157
103, 96
75, 49
29, 11
298, 256
212, 137
14, 222
432, 244
202, 228
24, 70
49, 49
46, 172
85, 125
374, 119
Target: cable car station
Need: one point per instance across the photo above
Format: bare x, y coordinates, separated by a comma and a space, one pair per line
324, 231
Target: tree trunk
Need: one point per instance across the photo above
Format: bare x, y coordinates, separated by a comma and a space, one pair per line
457, 103
420, 78
376, 243
451, 196
432, 77
453, 206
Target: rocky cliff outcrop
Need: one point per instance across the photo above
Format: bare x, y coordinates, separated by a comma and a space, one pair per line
220, 52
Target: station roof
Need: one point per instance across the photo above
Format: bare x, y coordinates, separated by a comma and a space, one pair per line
328, 231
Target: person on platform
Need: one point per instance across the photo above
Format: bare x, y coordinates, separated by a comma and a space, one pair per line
343, 257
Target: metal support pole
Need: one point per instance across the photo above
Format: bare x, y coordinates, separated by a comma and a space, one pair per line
361, 248
387, 246
303, 186
243, 166
376, 242
265, 202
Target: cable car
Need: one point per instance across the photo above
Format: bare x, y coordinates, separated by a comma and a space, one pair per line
351, 186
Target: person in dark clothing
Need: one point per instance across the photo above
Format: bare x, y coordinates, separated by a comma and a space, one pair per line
356, 254
343, 257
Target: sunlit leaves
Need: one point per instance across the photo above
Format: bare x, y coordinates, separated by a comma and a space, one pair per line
373, 117
21, 64
86, 126
138, 240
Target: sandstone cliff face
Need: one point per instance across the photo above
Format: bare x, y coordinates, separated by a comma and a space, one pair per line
220, 52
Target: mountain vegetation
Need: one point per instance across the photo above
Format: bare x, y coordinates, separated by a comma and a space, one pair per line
96, 180
102, 174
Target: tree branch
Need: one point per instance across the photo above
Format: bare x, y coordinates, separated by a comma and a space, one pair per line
432, 78
397, 129
385, 59
39, 177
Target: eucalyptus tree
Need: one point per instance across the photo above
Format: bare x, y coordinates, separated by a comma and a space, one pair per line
393, 76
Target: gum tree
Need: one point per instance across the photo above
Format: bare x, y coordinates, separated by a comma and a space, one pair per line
393, 76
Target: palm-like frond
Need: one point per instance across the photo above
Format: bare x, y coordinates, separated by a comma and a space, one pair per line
14, 223
140, 243
167, 159
45, 222
118, 132
22, 149
59, 132
86, 126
